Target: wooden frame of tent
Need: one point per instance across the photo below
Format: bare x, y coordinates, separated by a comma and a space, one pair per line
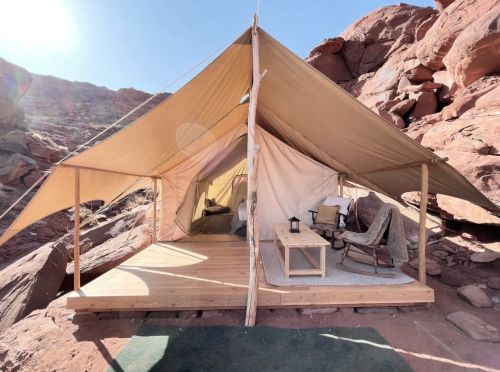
253, 237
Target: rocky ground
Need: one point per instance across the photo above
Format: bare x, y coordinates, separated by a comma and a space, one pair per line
433, 73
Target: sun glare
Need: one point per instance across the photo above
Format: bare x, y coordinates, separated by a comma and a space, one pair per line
37, 24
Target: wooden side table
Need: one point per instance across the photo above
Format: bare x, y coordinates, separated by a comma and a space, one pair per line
303, 240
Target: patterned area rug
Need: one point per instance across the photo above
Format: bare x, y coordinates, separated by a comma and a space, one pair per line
334, 275
216, 224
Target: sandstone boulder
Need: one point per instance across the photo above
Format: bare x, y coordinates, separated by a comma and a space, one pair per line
442, 4
462, 210
357, 87
454, 20
474, 327
475, 296
332, 45
370, 39
387, 105
426, 105
431, 267
448, 89
425, 26
483, 171
387, 23
474, 53
390, 117
403, 107
466, 102
31, 283
372, 100
419, 74
19, 161
14, 147
494, 282
331, 65
433, 118
108, 230
425, 87
10, 173
465, 135
113, 252
450, 277
489, 255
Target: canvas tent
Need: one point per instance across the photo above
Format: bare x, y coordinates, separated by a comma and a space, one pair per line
301, 117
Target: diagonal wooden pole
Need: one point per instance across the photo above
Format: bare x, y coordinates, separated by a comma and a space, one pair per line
252, 160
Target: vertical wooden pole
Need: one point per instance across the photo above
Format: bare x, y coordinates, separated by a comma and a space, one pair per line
422, 223
252, 160
155, 190
341, 184
76, 238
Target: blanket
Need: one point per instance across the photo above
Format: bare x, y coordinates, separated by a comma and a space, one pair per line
388, 217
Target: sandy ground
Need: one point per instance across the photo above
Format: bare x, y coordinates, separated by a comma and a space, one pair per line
48, 341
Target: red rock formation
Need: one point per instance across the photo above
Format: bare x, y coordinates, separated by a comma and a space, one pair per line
451, 23
475, 53
423, 68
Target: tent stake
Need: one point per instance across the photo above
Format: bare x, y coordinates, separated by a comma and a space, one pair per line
76, 238
422, 224
155, 190
252, 163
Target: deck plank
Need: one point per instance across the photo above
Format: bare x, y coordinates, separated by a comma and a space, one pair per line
208, 275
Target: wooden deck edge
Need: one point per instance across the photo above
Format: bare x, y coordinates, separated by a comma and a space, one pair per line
140, 303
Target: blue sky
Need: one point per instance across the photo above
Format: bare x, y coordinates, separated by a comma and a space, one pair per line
147, 44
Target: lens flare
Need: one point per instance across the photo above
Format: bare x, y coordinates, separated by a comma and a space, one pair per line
37, 24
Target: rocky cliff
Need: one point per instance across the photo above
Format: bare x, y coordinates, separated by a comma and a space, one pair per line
434, 75
42, 119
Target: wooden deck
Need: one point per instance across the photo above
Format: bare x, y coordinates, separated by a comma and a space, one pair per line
203, 276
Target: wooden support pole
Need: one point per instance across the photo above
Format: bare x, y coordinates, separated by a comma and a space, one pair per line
252, 164
341, 186
422, 222
155, 190
76, 238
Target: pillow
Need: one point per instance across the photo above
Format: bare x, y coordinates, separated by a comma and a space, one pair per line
343, 203
219, 209
328, 215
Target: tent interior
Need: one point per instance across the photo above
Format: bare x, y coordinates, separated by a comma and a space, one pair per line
218, 175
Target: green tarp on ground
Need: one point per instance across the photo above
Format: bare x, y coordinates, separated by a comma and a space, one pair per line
158, 348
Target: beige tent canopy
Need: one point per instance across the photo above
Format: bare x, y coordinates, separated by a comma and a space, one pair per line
297, 106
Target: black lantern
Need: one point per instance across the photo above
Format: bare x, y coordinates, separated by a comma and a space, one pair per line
294, 224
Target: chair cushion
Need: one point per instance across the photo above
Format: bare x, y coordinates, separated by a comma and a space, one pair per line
328, 215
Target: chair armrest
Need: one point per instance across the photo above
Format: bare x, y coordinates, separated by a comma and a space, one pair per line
313, 215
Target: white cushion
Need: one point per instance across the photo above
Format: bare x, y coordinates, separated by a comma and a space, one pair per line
343, 203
